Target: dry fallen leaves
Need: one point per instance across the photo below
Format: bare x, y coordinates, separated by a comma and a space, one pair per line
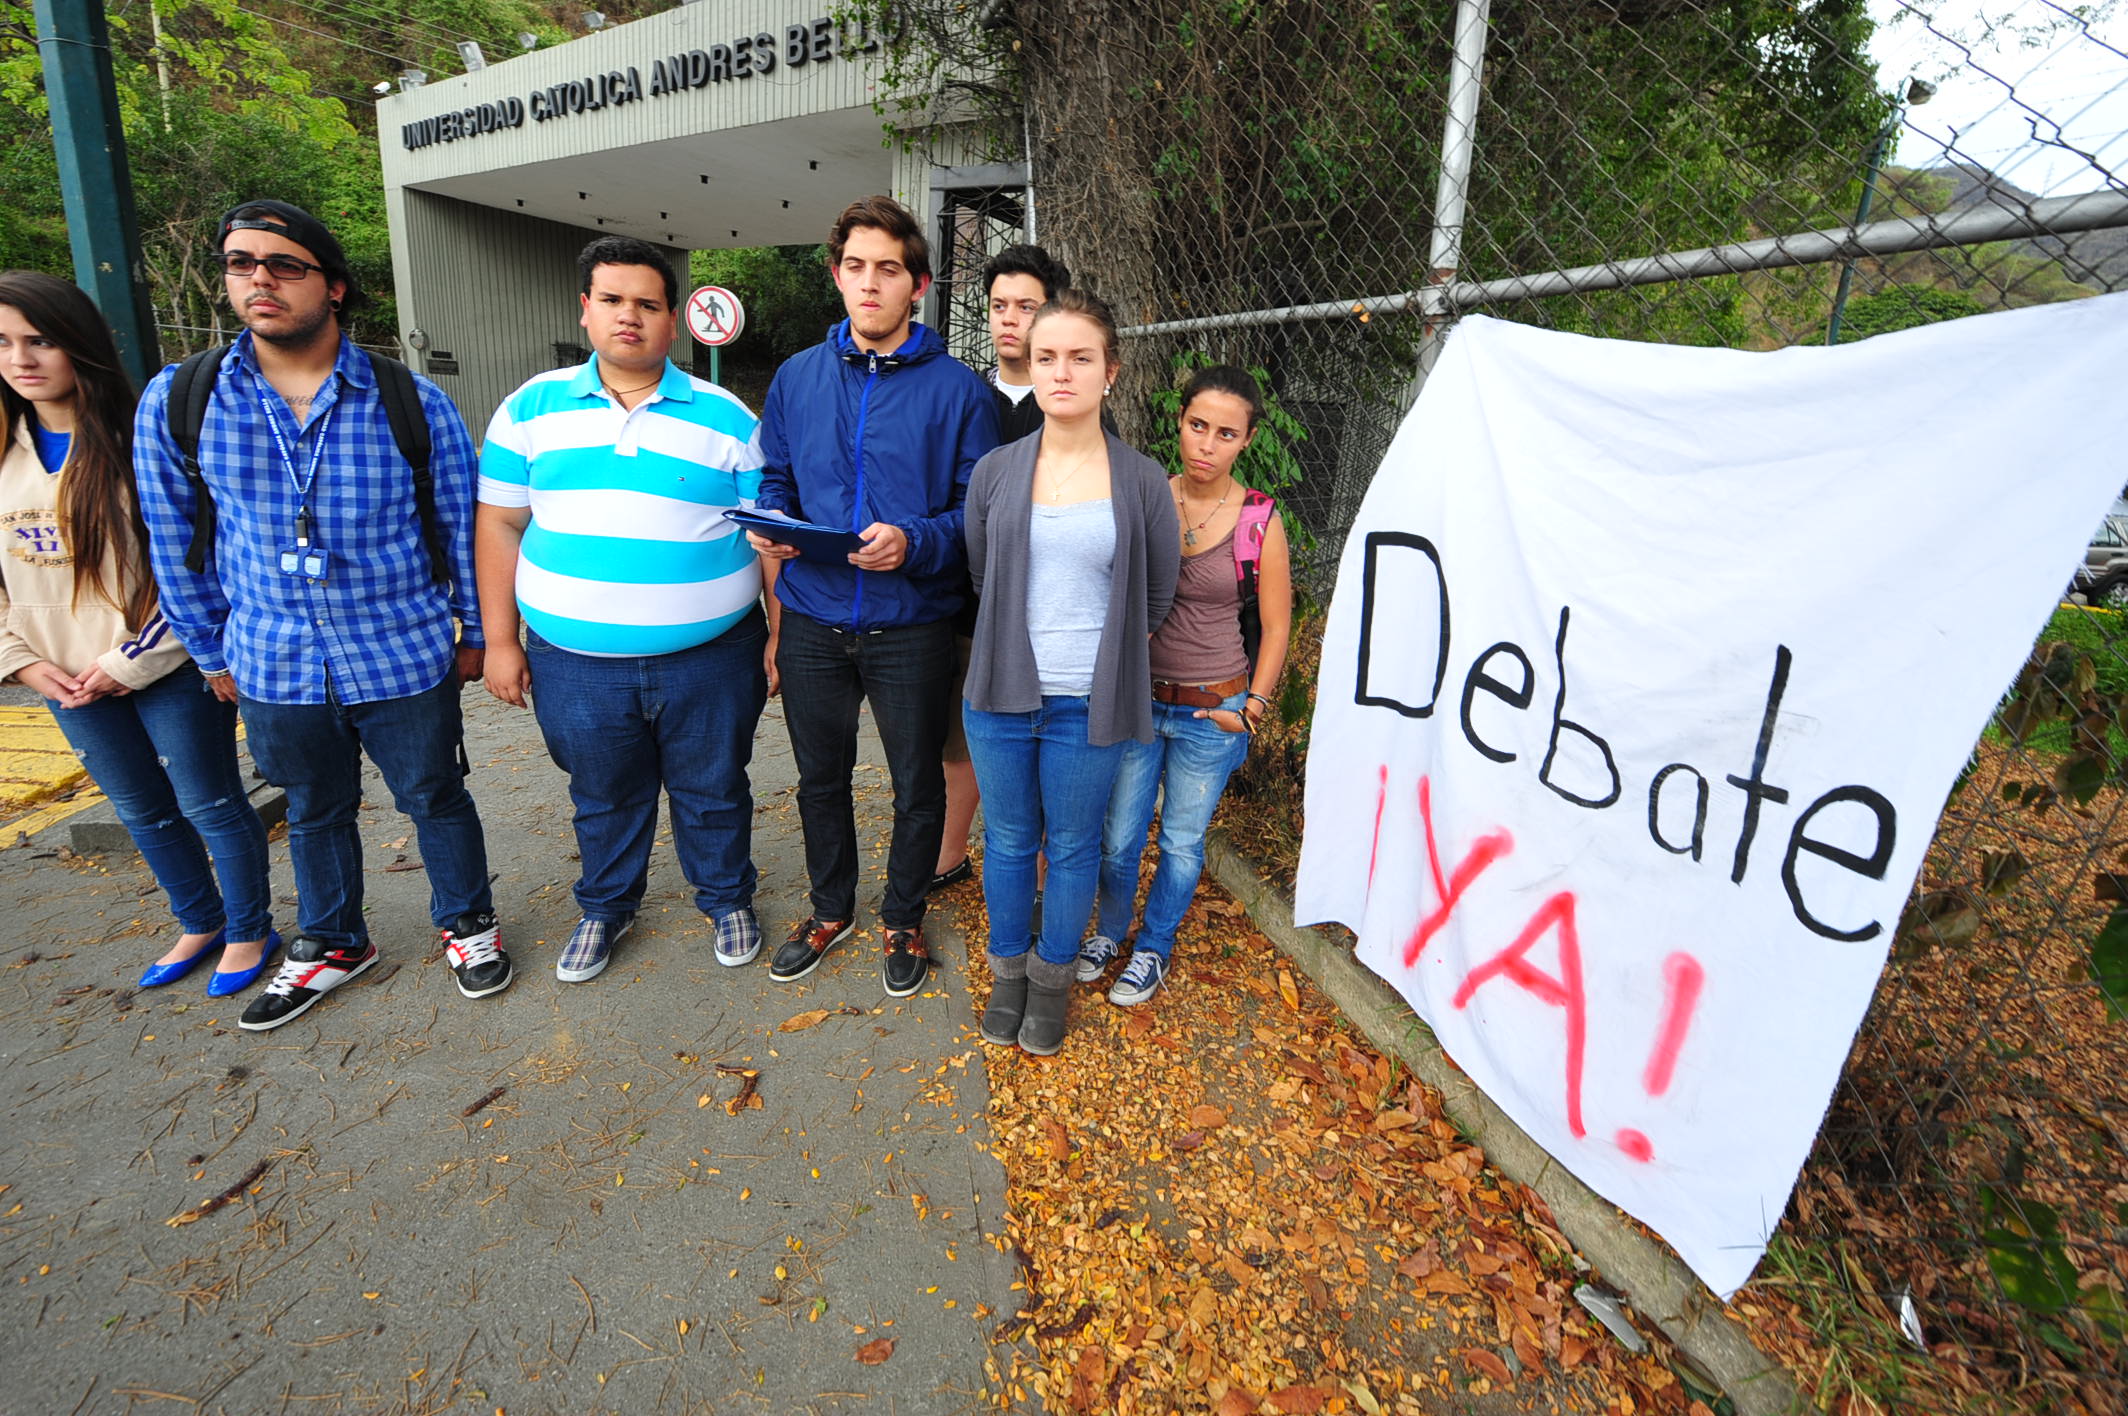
799, 1022
878, 1350
1225, 1194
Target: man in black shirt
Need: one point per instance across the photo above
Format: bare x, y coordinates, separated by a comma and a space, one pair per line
1019, 281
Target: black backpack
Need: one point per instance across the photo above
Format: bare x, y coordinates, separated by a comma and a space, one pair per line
193, 384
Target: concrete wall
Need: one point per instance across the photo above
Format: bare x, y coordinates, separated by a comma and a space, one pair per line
496, 290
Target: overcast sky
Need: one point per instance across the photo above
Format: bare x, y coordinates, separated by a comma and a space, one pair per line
2028, 62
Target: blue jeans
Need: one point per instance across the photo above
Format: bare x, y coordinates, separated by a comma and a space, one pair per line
166, 757
1044, 790
1186, 767
314, 751
907, 675
622, 727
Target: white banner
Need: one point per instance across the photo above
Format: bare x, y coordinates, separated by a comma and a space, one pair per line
1649, 671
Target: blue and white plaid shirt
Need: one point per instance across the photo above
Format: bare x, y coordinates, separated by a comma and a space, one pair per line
376, 626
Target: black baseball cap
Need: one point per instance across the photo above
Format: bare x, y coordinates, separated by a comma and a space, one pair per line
299, 226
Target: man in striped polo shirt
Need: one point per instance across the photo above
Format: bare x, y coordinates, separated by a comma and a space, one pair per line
647, 654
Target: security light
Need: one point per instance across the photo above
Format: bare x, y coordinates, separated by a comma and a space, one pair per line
413, 78
1919, 91
469, 54
381, 87
593, 20
527, 40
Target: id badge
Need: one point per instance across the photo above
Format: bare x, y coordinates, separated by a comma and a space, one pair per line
304, 562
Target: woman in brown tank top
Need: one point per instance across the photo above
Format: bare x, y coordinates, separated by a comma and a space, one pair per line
1212, 681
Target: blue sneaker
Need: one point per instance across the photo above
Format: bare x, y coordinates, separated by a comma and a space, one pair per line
1141, 979
1095, 955
221, 985
584, 956
738, 937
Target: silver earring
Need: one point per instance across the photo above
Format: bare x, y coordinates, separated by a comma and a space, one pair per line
1107, 389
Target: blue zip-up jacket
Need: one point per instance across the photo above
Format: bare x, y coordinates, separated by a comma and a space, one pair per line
849, 438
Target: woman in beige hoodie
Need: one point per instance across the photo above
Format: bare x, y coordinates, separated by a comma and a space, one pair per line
79, 624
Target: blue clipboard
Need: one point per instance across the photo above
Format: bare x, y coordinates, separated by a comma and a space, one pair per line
813, 542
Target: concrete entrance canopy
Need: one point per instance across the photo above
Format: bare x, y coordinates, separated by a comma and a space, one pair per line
729, 123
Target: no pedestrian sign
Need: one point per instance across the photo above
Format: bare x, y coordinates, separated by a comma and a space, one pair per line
714, 316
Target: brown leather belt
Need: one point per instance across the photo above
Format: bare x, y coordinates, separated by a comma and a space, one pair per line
1198, 695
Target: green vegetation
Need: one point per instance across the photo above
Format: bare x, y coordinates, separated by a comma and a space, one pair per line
1269, 463
273, 98
790, 301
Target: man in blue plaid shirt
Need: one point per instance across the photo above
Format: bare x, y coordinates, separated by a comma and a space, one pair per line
319, 611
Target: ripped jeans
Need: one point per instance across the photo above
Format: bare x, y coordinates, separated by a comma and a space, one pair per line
166, 757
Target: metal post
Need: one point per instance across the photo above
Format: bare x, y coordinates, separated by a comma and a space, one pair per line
716, 365
1869, 191
1459, 132
94, 181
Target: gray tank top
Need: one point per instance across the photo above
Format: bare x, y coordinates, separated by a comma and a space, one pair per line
1070, 554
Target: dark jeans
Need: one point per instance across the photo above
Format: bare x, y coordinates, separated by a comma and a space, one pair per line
620, 727
166, 757
907, 674
314, 751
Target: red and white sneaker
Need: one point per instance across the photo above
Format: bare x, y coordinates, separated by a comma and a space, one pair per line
309, 970
473, 946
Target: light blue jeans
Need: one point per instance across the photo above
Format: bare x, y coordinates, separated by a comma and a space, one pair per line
1185, 768
1044, 789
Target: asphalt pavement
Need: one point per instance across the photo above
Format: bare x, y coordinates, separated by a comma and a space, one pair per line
677, 1188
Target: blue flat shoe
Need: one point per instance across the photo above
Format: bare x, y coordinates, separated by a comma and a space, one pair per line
224, 984
159, 974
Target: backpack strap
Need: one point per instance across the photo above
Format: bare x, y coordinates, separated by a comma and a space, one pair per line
410, 429
1257, 509
185, 412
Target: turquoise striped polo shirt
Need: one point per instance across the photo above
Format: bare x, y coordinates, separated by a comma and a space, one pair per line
628, 551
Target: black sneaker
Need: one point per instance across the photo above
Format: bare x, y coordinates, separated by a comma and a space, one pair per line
907, 962
474, 948
309, 971
809, 943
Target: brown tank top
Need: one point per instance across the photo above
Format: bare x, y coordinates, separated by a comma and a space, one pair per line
1201, 639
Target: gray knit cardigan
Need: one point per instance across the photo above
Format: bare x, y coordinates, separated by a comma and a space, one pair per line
1000, 510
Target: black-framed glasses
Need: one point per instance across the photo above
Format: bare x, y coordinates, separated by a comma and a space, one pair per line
243, 263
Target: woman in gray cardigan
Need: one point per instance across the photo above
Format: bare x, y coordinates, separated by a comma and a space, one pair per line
1073, 544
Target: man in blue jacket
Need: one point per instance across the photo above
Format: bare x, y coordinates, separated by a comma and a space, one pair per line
875, 430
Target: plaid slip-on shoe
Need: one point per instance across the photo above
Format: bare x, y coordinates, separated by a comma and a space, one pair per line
584, 957
738, 937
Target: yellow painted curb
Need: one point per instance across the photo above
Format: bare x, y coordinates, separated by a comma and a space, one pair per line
17, 830
36, 761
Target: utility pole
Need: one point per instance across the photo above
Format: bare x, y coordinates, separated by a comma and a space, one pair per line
75, 44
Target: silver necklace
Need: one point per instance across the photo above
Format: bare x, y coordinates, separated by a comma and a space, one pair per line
1189, 535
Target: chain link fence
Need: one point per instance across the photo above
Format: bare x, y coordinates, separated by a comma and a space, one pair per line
1317, 188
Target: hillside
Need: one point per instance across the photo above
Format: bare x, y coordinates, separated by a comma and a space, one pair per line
2098, 259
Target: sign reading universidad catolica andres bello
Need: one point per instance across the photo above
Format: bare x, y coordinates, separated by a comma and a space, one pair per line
815, 41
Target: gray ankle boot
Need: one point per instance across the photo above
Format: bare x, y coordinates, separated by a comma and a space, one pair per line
1008, 999
1048, 1000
